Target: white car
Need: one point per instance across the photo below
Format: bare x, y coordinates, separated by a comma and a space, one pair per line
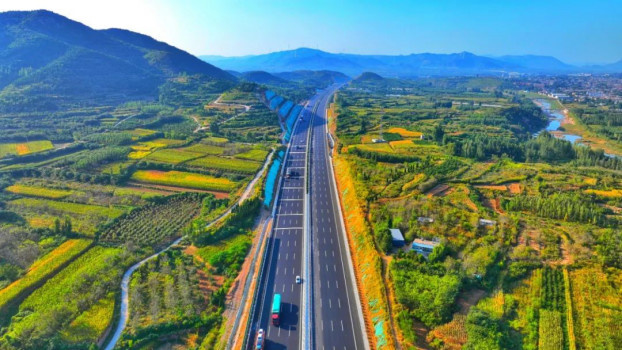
298, 280
260, 340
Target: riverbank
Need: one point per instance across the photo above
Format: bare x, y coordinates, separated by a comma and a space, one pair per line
562, 124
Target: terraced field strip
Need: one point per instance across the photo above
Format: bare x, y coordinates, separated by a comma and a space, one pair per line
20, 149
41, 213
226, 164
38, 191
42, 269
185, 179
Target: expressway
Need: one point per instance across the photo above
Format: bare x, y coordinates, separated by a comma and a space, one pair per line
335, 317
337, 320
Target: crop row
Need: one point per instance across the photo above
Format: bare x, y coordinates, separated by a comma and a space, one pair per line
154, 224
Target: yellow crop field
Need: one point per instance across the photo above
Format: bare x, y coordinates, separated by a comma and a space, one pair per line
376, 147
596, 296
402, 144
38, 191
590, 181
184, 179
405, 133
44, 267
138, 154
92, 323
616, 193
157, 143
20, 149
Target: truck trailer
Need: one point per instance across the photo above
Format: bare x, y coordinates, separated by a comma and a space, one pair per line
276, 309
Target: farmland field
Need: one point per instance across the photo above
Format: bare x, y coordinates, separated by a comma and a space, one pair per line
43, 268
226, 164
140, 133
21, 149
184, 179
37, 191
85, 218
154, 224
172, 283
205, 149
70, 293
258, 155
172, 156
92, 323
597, 307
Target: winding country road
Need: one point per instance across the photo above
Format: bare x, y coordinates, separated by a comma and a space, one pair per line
125, 282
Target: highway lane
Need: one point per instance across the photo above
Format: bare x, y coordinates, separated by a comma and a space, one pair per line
337, 322
284, 257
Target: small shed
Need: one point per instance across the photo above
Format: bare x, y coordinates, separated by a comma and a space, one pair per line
486, 222
425, 220
397, 237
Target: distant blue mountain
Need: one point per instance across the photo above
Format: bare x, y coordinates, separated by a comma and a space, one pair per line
538, 63
423, 64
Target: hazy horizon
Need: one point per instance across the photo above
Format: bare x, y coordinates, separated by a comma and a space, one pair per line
568, 30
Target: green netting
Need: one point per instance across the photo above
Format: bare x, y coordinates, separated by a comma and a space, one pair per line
271, 179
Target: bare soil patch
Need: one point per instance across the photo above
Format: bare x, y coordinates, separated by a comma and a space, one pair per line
438, 190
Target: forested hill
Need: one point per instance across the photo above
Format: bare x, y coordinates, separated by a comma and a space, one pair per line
46, 58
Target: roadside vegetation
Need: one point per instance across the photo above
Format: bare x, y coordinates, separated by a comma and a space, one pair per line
519, 222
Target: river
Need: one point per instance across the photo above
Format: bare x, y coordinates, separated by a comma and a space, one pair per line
556, 118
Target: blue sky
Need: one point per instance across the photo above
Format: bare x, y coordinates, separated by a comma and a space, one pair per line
575, 31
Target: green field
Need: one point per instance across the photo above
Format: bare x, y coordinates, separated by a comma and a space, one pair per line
185, 179
172, 156
43, 268
84, 217
258, 155
65, 294
205, 149
140, 133
226, 164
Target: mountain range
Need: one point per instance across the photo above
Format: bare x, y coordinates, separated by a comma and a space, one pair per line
423, 64
44, 55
